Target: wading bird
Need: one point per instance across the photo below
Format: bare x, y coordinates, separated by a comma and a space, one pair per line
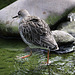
35, 32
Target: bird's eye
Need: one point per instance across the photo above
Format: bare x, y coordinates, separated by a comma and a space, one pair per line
19, 13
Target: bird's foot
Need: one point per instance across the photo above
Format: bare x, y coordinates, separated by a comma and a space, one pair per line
45, 63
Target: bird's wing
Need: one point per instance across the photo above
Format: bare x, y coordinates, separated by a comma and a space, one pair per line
37, 32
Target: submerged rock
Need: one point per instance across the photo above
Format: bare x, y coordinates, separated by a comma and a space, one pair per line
65, 41
65, 49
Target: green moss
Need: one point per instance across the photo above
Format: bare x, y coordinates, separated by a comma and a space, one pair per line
53, 19
8, 51
12, 44
7, 61
8, 30
73, 11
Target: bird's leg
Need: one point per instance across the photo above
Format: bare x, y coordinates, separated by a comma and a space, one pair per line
48, 57
26, 55
48, 62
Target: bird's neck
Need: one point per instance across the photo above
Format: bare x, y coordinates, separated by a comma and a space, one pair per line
20, 19
23, 18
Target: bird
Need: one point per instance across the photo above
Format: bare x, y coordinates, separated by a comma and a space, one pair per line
36, 33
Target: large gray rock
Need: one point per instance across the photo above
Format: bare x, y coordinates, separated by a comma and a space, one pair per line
51, 9
40, 8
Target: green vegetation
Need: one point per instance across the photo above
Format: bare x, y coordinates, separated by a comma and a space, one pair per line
4, 3
12, 44
73, 11
9, 49
53, 19
8, 30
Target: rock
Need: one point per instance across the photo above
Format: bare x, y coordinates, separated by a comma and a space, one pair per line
70, 28
65, 49
65, 42
44, 9
71, 16
62, 37
40, 8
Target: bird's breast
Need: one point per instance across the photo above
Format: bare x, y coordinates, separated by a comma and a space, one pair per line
23, 37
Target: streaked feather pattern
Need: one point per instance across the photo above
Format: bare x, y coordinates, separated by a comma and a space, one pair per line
36, 32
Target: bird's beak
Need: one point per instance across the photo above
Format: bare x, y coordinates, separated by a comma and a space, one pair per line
15, 17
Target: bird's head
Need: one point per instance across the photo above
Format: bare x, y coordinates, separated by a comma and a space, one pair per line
22, 13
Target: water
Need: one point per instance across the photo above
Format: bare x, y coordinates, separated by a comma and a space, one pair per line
61, 64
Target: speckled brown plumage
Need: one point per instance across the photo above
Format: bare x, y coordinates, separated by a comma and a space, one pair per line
37, 32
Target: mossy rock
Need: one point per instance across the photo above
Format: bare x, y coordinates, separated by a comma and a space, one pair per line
70, 28
44, 13
63, 37
9, 31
